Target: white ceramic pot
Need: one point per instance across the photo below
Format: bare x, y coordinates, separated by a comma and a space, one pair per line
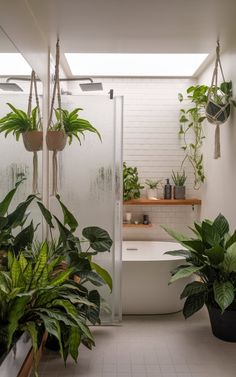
152, 194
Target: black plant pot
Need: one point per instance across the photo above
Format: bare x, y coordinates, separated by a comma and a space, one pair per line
223, 325
213, 109
179, 192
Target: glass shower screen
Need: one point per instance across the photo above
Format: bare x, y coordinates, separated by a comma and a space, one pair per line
89, 182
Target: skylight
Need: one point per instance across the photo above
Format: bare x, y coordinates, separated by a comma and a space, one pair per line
13, 64
93, 64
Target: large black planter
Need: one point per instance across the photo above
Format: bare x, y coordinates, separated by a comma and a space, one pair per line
213, 109
223, 325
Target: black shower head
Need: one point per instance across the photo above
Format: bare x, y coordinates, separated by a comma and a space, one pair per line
10, 87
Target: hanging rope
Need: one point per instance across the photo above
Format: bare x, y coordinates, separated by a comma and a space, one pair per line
56, 88
216, 113
33, 86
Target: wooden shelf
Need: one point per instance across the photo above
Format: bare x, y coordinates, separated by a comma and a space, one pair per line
165, 202
137, 225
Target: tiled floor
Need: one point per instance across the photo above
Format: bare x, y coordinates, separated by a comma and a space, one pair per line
151, 346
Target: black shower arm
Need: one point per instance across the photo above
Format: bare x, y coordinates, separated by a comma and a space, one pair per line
27, 78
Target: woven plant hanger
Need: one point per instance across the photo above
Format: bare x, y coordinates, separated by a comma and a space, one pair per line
33, 86
56, 88
222, 109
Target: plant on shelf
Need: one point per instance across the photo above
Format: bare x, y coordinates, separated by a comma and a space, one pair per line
210, 255
179, 179
153, 186
131, 185
191, 130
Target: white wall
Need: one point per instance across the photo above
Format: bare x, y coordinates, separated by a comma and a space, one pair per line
218, 192
151, 142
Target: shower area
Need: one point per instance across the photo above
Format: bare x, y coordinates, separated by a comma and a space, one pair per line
89, 178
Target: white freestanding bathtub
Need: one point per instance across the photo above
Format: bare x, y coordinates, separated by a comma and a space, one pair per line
145, 276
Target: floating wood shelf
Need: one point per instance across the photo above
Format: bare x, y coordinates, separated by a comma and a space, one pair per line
165, 202
137, 225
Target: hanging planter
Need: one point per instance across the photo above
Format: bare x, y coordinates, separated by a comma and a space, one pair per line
68, 125
29, 125
56, 140
219, 101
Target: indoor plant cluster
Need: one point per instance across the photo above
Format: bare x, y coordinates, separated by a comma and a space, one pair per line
131, 184
42, 285
210, 255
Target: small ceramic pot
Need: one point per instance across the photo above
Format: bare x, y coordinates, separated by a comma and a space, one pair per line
56, 140
179, 192
151, 194
33, 140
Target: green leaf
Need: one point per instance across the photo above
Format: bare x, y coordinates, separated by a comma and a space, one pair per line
103, 273
69, 219
16, 217
40, 265
221, 224
193, 288
46, 214
229, 263
185, 272
16, 310
180, 97
179, 253
63, 276
52, 326
31, 328
177, 236
4, 205
99, 238
215, 255
74, 342
210, 234
24, 238
193, 303
223, 294
195, 245
231, 240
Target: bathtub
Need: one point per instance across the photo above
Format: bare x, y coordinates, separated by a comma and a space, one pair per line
145, 276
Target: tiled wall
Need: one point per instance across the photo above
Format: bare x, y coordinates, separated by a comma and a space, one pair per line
151, 142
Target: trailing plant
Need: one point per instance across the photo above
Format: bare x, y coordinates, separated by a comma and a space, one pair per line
17, 122
131, 185
211, 255
72, 124
191, 130
153, 184
179, 178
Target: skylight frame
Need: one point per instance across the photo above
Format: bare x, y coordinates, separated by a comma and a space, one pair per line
13, 63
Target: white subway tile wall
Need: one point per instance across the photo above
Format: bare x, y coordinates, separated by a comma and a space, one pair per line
151, 142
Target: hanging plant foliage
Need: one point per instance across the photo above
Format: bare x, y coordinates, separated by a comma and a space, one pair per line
219, 101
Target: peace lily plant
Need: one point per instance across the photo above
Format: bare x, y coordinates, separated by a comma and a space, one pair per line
211, 256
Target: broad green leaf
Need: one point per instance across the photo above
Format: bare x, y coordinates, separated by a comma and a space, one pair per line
16, 217
185, 272
177, 236
193, 303
24, 238
46, 214
69, 219
4, 205
31, 328
16, 274
64, 232
94, 311
215, 255
210, 234
99, 238
52, 326
56, 314
223, 294
61, 277
193, 288
231, 240
103, 273
195, 245
229, 263
74, 342
221, 224
16, 310
40, 265
179, 253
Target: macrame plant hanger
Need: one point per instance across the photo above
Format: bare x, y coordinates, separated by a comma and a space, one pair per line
33, 86
221, 110
56, 88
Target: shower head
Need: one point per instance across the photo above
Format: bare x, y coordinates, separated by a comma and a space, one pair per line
10, 87
89, 87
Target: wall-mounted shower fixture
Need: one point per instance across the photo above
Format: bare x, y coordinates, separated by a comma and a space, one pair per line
86, 87
10, 87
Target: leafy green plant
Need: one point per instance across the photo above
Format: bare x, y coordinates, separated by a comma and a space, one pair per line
211, 255
179, 178
72, 124
153, 184
18, 122
36, 297
131, 185
191, 130
223, 94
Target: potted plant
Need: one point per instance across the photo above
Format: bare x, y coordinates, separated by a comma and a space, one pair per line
210, 255
68, 125
19, 123
152, 188
131, 185
179, 179
219, 103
